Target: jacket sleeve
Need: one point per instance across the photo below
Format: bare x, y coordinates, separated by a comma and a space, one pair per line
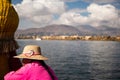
17, 75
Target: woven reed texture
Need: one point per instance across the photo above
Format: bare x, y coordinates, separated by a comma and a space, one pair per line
9, 21
4, 69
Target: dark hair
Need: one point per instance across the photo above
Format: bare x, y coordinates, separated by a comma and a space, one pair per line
46, 67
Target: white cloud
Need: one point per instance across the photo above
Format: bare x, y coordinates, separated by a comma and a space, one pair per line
100, 16
39, 11
41, 6
69, 0
101, 1
102, 12
72, 18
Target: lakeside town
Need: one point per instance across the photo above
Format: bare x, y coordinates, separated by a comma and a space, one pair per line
66, 32
74, 37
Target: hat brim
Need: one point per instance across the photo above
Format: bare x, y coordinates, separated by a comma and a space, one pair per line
35, 57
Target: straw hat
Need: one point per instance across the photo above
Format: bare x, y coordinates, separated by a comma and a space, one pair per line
32, 52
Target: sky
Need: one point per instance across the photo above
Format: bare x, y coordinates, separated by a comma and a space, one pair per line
99, 14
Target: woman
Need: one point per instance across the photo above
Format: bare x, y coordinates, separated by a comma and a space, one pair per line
34, 68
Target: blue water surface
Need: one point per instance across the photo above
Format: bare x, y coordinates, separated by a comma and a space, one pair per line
80, 60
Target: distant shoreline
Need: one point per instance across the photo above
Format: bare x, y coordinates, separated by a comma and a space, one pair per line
92, 38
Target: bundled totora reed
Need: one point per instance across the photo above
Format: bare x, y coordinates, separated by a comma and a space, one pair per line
8, 24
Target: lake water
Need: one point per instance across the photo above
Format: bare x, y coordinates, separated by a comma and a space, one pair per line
80, 60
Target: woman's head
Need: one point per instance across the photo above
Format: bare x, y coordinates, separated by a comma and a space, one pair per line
25, 61
32, 52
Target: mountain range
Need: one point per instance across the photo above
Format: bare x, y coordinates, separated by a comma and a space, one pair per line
66, 30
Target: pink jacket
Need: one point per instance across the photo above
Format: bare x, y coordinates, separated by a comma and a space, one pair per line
31, 71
